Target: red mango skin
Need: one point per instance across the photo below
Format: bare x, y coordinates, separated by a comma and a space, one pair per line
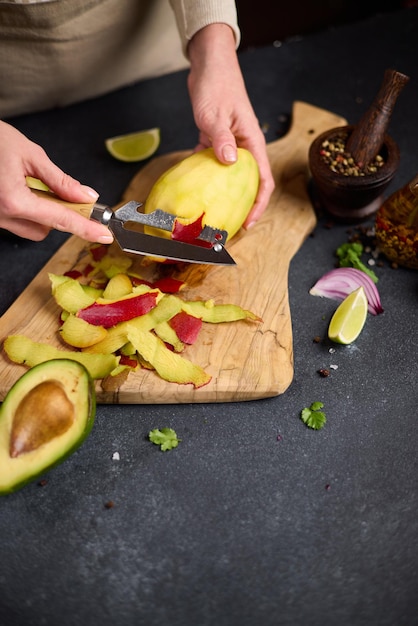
128, 361
110, 314
98, 252
73, 274
189, 233
166, 284
187, 327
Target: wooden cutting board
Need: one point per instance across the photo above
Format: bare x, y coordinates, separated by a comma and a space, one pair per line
246, 360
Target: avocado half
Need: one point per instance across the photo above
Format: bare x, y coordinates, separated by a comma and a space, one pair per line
45, 417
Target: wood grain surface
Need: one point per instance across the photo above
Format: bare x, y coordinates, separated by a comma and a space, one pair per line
246, 360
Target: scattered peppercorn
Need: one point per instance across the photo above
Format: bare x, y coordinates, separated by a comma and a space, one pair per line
109, 504
43, 482
324, 373
317, 339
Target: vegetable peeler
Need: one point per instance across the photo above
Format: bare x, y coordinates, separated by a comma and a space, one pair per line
208, 249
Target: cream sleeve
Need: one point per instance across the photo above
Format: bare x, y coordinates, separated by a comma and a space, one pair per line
192, 15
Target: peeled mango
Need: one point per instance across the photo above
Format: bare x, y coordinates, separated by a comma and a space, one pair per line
200, 184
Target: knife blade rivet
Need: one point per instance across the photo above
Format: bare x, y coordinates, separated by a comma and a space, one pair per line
217, 247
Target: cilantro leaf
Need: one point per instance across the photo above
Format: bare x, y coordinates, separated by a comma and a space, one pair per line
166, 438
313, 417
354, 247
349, 256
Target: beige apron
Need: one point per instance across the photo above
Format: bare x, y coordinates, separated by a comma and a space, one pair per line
62, 51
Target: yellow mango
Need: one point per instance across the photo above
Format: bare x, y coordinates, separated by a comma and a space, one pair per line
201, 184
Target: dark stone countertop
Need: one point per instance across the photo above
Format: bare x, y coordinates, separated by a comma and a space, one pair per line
254, 518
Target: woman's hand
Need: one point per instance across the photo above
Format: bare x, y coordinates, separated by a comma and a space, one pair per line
26, 214
222, 109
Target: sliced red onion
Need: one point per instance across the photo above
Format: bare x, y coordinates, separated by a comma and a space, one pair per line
340, 282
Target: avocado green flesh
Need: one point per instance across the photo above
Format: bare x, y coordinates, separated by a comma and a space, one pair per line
75, 379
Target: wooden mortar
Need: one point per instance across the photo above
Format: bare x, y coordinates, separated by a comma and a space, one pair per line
353, 198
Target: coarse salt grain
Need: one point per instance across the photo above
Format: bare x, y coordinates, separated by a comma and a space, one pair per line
116, 456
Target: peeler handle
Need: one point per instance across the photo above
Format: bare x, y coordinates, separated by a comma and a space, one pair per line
85, 210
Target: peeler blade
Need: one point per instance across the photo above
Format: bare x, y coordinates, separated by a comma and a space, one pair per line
159, 247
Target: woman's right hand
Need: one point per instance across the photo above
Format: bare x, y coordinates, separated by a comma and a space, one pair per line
28, 215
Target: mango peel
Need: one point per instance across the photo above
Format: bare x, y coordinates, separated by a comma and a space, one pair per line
110, 346
23, 350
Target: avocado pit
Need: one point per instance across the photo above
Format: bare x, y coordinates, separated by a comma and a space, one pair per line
44, 413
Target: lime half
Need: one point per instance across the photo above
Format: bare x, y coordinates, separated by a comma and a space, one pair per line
134, 146
348, 320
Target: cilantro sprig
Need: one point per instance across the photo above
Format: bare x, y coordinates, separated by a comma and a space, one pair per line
313, 416
166, 438
349, 255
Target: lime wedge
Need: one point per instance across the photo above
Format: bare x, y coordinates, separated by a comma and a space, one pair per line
134, 146
348, 320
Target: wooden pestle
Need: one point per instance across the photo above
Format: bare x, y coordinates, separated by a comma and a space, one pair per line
367, 137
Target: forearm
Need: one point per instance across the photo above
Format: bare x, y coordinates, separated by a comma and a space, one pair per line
194, 15
213, 46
